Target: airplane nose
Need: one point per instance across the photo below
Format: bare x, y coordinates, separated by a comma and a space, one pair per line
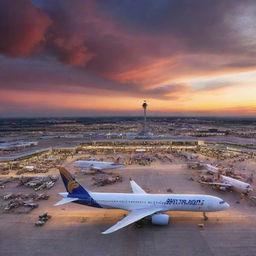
226, 205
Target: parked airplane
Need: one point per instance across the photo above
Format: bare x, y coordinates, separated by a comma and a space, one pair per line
189, 156
98, 165
139, 202
212, 169
228, 182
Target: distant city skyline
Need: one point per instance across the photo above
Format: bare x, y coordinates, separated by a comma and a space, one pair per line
103, 58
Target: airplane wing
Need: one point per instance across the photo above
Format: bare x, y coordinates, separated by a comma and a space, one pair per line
83, 170
134, 216
97, 168
217, 184
136, 189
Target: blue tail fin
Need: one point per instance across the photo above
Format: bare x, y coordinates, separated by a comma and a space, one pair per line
72, 186
75, 190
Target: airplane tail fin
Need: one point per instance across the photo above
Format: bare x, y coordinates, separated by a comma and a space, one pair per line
72, 186
117, 161
76, 193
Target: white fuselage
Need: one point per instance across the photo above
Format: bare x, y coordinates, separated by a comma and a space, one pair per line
237, 185
211, 168
97, 165
165, 202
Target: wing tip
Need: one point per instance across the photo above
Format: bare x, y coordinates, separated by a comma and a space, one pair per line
106, 232
57, 204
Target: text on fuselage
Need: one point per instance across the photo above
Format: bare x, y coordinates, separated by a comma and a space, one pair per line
184, 202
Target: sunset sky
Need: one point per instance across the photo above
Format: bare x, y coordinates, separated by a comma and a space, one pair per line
94, 58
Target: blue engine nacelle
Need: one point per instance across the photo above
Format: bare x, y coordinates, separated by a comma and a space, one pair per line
160, 219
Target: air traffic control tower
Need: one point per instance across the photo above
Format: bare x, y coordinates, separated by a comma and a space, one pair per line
145, 129
144, 133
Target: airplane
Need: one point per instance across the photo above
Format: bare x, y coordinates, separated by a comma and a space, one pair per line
211, 168
98, 165
227, 182
189, 156
139, 203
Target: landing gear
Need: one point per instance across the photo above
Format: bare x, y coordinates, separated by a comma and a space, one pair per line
142, 222
205, 217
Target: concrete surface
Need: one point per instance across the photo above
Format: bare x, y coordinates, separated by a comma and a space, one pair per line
76, 230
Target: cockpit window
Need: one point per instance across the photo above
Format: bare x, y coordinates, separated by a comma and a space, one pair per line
222, 202
248, 186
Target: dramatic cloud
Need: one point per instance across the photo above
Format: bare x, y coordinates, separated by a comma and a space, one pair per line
22, 27
170, 91
37, 75
159, 50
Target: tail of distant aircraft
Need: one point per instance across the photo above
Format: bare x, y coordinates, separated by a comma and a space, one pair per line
117, 160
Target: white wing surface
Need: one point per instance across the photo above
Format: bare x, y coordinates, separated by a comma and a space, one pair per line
136, 189
131, 218
66, 200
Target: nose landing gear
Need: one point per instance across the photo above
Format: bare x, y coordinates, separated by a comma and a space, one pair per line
205, 217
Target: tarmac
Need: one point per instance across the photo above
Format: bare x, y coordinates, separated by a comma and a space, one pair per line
76, 230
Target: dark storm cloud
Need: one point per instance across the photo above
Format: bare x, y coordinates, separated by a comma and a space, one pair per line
81, 36
100, 40
199, 25
66, 38
22, 27
112, 36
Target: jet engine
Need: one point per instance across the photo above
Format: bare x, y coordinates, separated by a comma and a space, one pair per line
160, 219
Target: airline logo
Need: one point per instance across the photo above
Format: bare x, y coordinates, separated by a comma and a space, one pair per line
71, 183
